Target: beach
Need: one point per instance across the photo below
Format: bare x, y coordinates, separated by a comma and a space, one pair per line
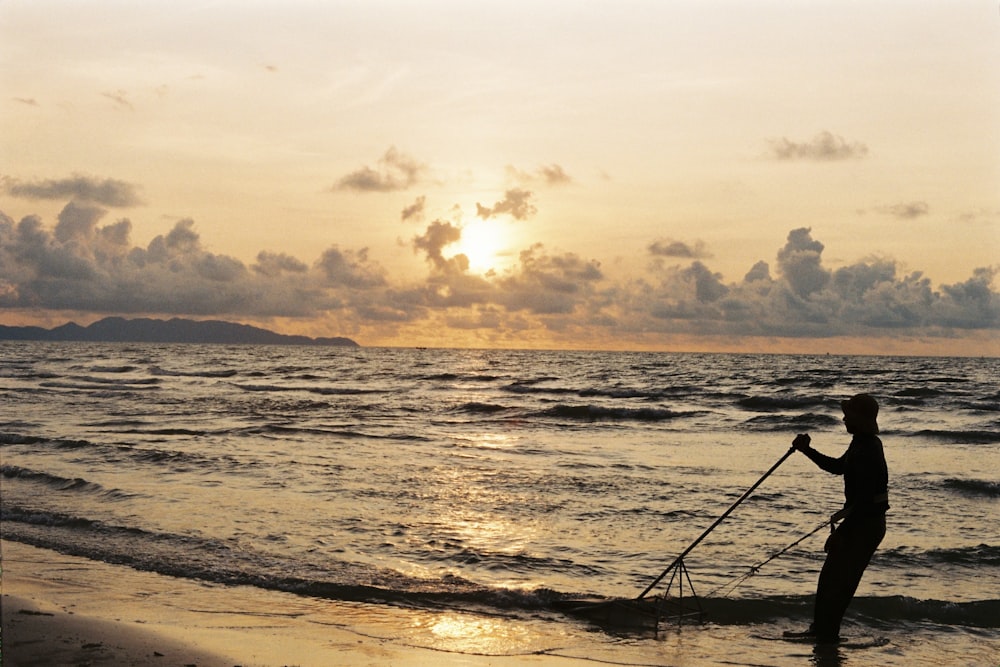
63, 610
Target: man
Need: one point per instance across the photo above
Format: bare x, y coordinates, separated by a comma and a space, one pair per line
851, 545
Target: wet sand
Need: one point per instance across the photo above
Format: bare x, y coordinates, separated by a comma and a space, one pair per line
61, 610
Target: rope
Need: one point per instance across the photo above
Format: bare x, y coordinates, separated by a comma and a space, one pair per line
756, 568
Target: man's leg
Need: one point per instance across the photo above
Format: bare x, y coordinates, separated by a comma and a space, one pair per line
850, 551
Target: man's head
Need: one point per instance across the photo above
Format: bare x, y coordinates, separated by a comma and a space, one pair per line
860, 414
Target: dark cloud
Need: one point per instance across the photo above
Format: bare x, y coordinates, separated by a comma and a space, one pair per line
670, 248
970, 304
84, 266
550, 284
29, 101
906, 211
77, 222
800, 262
395, 171
275, 264
349, 268
106, 192
824, 147
758, 272
516, 203
806, 299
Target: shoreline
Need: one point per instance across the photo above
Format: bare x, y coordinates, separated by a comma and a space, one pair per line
61, 609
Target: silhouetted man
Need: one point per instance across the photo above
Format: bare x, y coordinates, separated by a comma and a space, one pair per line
851, 545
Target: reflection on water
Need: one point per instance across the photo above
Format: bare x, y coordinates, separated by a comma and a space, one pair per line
484, 635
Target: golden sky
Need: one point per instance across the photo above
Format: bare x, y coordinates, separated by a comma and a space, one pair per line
755, 174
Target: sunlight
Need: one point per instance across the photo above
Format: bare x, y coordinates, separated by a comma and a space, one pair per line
482, 242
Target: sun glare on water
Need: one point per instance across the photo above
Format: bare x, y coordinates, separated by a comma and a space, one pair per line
483, 243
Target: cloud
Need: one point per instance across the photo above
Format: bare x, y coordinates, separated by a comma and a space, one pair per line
83, 265
86, 264
986, 216
550, 284
395, 171
29, 101
120, 98
806, 299
107, 192
273, 264
906, 211
669, 248
800, 262
438, 235
824, 147
349, 268
516, 203
414, 210
550, 175
554, 174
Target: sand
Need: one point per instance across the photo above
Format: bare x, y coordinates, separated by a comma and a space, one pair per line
62, 610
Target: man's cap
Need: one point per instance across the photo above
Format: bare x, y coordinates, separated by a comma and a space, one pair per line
861, 405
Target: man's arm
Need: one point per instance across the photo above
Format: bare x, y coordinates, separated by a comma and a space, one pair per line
827, 463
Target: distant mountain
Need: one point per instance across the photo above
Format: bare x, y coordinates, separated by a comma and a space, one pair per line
143, 330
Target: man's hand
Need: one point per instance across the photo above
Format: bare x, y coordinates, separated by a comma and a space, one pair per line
801, 442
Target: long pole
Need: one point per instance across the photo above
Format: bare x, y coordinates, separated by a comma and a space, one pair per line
708, 530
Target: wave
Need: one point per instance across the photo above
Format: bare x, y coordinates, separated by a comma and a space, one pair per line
481, 408
976, 613
634, 393
774, 403
100, 384
982, 555
230, 563
18, 439
60, 483
226, 562
115, 454
960, 437
323, 391
974, 487
600, 413
505, 562
118, 381
112, 369
221, 373
459, 377
525, 387
790, 422
923, 392
890, 609
627, 392
348, 434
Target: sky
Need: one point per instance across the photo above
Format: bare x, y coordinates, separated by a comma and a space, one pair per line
756, 175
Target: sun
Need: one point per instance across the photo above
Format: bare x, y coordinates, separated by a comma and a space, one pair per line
482, 243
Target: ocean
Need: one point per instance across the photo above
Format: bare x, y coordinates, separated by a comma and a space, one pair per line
500, 484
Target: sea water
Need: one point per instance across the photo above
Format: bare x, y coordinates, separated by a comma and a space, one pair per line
505, 482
